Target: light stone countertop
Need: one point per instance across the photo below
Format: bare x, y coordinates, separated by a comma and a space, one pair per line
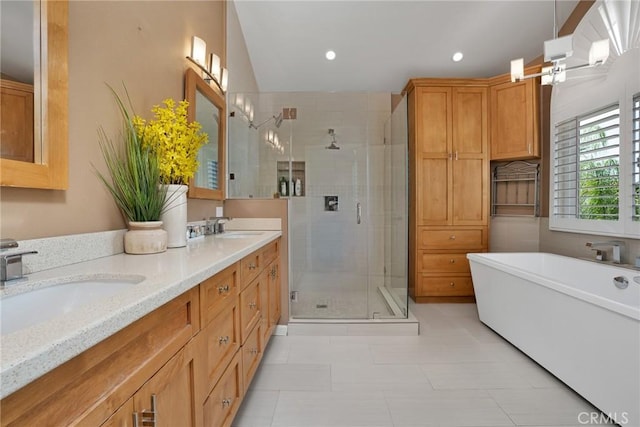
27, 354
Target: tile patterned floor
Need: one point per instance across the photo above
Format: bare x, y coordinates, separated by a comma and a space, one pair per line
456, 373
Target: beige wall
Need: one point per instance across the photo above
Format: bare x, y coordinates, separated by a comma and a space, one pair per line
142, 44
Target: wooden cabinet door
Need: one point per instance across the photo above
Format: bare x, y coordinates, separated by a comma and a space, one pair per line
514, 124
470, 121
174, 392
470, 161
224, 401
433, 120
251, 307
433, 190
470, 192
123, 417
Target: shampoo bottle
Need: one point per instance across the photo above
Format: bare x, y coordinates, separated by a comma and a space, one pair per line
283, 186
298, 187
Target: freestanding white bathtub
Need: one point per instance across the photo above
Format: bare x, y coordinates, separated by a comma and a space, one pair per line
567, 315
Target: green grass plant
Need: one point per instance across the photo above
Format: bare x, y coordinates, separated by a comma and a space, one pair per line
133, 171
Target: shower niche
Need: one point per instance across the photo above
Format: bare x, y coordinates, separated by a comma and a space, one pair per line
291, 183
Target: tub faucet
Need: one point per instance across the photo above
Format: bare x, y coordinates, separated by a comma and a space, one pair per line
616, 245
11, 262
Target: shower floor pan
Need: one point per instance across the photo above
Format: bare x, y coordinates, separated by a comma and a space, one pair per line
384, 324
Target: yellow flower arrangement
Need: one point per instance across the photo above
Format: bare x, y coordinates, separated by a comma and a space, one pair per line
174, 140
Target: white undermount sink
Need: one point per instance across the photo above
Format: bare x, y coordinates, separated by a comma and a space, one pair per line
42, 304
239, 234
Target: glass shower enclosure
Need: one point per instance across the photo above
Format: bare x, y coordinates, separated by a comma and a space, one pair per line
342, 164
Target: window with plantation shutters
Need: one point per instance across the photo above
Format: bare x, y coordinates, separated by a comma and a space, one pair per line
635, 159
587, 166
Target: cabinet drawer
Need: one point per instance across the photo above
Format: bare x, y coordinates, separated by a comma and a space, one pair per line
250, 267
222, 341
217, 292
446, 239
443, 263
250, 309
224, 401
445, 286
252, 354
270, 252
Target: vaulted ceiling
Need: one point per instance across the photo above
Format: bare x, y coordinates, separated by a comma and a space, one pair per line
379, 45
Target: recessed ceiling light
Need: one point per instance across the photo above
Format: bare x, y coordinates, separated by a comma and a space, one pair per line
457, 57
330, 55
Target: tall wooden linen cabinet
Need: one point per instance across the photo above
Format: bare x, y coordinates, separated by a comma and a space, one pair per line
448, 185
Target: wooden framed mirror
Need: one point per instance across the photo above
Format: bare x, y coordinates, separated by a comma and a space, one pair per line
44, 125
207, 106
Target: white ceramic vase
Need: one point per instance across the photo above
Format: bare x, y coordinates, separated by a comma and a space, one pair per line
174, 218
145, 238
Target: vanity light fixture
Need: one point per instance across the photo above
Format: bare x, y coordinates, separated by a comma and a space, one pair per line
556, 51
214, 65
199, 50
212, 70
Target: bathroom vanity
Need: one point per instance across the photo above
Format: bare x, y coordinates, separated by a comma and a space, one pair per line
180, 348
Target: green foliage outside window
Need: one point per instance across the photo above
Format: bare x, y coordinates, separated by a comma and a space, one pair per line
598, 181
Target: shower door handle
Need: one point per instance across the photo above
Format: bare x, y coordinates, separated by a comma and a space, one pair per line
358, 213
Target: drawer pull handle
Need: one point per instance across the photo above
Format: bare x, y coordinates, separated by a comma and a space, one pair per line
223, 289
252, 305
452, 261
254, 351
252, 266
226, 402
452, 237
148, 416
223, 340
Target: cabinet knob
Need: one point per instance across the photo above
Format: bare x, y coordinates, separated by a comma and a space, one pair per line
254, 351
226, 402
452, 284
223, 340
223, 289
452, 237
252, 266
452, 261
252, 305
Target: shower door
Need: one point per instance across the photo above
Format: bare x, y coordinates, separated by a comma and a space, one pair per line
329, 248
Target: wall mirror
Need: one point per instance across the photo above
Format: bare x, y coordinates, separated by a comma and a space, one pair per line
207, 106
34, 82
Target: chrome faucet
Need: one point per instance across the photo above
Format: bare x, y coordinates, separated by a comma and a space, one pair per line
11, 262
616, 245
214, 226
